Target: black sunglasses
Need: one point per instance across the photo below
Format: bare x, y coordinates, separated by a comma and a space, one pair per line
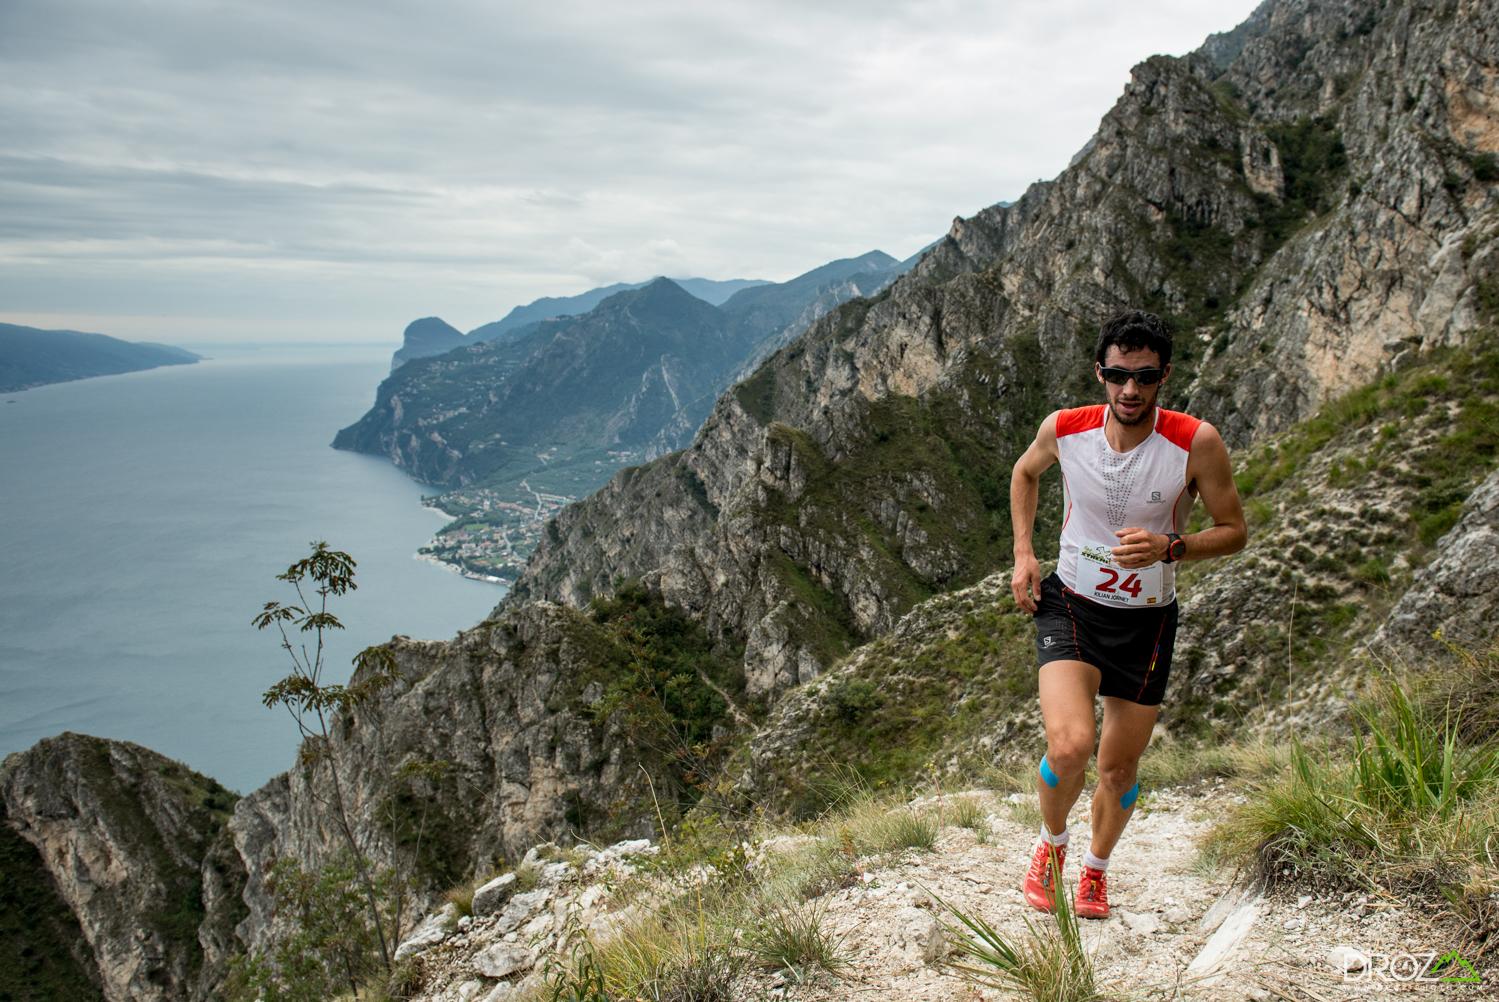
1142, 377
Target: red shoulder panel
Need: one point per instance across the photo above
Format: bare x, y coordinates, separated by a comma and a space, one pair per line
1076, 419
1178, 428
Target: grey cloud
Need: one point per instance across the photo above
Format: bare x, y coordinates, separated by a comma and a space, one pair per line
498, 152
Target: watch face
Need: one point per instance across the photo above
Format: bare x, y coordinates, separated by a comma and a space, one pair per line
1178, 549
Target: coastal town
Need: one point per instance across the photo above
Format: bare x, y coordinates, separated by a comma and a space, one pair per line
493, 530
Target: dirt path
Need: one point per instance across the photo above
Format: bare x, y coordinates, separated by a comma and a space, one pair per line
1174, 933
1165, 914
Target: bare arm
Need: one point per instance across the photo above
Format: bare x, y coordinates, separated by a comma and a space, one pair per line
1025, 489
1209, 471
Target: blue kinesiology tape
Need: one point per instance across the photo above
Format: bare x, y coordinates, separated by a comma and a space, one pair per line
1128, 800
1047, 776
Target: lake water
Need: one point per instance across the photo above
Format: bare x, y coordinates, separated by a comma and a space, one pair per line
143, 519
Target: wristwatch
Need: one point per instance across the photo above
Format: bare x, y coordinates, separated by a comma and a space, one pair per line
1176, 548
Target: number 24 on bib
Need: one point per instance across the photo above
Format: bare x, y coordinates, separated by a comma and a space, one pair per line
1102, 580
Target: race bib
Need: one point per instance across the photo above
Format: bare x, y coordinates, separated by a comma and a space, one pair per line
1102, 580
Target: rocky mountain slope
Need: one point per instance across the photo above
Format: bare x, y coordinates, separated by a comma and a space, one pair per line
638, 371
1311, 199
136, 847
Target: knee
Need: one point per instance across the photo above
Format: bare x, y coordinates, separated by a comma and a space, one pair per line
1117, 776
1068, 754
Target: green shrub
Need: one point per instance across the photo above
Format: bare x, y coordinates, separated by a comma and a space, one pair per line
853, 698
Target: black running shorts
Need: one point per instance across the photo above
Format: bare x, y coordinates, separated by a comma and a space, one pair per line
1130, 647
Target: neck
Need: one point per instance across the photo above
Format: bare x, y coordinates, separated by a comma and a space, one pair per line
1124, 437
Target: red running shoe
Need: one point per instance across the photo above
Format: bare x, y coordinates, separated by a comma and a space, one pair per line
1092, 894
1040, 882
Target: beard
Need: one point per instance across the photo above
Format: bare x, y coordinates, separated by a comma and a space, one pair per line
1147, 407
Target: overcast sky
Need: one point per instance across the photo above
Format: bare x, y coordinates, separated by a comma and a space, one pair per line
194, 171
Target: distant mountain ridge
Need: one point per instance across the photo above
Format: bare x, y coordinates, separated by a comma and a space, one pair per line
434, 336
30, 356
640, 370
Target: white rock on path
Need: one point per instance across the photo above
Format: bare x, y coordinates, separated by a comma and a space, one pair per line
918, 936
1208, 967
503, 959
1143, 923
492, 896
433, 930
520, 908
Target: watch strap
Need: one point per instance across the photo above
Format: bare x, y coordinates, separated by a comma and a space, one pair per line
1175, 548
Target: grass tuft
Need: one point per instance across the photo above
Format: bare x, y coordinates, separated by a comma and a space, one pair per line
794, 937
1407, 806
1048, 965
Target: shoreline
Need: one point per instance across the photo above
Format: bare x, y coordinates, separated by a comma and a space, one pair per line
448, 516
463, 571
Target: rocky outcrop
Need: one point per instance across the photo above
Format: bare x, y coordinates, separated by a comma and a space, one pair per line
132, 842
1454, 594
427, 336
488, 743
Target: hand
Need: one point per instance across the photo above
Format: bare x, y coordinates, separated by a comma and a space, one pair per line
1139, 547
1026, 582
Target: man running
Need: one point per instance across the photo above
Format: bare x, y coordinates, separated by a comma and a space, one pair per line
1106, 619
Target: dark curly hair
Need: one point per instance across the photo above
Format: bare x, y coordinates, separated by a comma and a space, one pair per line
1134, 329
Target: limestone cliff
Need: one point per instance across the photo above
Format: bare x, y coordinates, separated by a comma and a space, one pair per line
134, 844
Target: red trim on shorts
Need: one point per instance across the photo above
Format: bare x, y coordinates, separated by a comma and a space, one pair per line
1175, 427
1076, 647
1077, 419
1154, 654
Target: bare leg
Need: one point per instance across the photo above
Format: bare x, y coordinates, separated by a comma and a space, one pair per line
1126, 732
1068, 690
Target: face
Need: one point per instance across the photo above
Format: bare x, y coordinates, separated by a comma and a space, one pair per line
1131, 403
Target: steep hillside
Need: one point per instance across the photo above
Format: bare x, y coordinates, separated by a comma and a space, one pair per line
135, 844
608, 379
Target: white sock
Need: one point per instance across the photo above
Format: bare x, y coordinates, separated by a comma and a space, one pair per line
1061, 838
1090, 860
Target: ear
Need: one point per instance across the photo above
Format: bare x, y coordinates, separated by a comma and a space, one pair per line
1098, 372
1165, 373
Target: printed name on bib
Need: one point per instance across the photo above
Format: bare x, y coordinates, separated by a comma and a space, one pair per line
1102, 580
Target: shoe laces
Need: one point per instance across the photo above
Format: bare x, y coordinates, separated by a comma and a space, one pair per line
1095, 885
1041, 863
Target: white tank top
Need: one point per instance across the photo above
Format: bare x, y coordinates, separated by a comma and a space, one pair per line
1104, 491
